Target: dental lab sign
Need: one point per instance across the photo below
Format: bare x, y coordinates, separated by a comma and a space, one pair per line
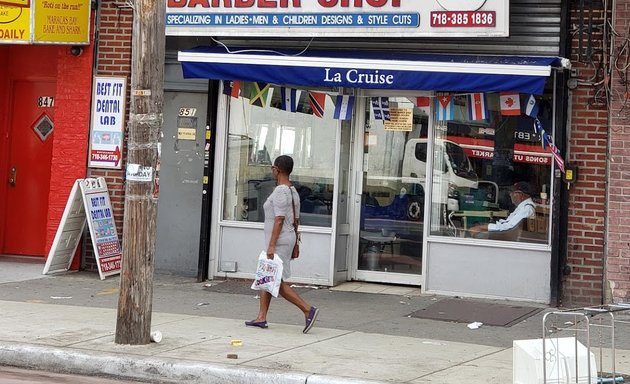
382, 18
108, 117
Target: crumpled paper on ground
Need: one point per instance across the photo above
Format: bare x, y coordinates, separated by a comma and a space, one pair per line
474, 325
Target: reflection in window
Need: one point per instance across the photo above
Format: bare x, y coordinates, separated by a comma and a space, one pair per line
257, 135
392, 202
477, 163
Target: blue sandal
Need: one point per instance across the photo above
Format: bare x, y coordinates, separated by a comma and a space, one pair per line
254, 323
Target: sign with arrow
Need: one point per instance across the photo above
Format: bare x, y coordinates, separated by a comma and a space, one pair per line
107, 123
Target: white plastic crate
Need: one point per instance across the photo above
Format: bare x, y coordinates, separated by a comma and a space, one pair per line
565, 361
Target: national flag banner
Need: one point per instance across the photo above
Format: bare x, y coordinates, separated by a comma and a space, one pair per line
548, 145
259, 94
510, 104
532, 107
232, 88
444, 108
423, 103
290, 98
558, 158
343, 107
556, 154
477, 106
380, 106
537, 126
317, 101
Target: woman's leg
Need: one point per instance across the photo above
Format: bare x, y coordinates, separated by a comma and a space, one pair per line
289, 293
265, 300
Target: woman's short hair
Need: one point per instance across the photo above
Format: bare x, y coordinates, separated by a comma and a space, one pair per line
284, 163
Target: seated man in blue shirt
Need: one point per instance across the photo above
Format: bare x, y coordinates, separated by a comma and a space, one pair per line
525, 208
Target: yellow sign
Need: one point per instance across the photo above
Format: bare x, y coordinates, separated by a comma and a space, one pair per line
62, 21
568, 174
17, 3
401, 119
14, 24
186, 134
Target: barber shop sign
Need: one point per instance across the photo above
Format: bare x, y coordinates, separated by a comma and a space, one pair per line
338, 18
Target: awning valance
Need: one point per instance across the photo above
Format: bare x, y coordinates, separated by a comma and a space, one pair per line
372, 70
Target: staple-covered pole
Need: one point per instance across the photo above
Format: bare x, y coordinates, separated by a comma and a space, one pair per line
145, 123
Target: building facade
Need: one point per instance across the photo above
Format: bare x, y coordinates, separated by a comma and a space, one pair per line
45, 107
367, 212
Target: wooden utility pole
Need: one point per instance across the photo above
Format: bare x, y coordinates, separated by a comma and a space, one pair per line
133, 324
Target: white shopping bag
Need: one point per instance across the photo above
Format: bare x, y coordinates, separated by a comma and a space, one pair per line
268, 274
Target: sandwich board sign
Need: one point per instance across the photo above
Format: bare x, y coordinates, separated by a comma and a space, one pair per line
88, 202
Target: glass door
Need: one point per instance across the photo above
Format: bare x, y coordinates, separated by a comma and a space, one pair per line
391, 189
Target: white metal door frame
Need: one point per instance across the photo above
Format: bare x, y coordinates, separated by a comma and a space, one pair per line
355, 194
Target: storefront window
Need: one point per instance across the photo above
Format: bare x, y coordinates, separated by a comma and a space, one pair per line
392, 204
489, 163
257, 135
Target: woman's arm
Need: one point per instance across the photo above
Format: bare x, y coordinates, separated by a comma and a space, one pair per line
275, 234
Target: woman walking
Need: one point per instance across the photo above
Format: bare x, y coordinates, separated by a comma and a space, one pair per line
282, 210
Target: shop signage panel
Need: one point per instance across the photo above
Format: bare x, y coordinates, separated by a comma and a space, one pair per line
45, 22
107, 125
15, 24
338, 18
62, 21
17, 3
371, 70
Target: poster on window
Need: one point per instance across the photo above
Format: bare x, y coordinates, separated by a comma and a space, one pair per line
401, 119
107, 124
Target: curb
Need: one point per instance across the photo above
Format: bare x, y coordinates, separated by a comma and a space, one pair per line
155, 370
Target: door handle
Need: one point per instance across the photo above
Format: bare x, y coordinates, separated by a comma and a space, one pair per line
13, 176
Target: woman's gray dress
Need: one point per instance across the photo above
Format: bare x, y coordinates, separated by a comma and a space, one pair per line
279, 203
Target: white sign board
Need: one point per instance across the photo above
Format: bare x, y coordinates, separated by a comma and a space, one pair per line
338, 18
88, 201
107, 124
68, 233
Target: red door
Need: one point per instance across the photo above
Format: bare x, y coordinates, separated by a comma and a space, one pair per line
28, 168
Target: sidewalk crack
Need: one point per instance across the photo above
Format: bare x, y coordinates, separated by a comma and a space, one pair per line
458, 365
297, 347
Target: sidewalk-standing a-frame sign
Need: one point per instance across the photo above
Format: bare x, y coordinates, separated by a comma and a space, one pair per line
89, 199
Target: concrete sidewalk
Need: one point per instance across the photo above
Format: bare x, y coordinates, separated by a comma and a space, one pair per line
67, 323
195, 349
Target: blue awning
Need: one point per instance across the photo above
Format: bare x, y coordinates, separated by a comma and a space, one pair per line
372, 70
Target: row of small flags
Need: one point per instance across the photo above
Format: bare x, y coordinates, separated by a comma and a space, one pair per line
290, 97
478, 106
444, 107
444, 104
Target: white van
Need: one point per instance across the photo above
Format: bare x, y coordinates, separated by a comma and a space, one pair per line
453, 169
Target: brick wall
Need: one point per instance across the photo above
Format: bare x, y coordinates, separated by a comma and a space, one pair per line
588, 133
113, 55
618, 236
72, 124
